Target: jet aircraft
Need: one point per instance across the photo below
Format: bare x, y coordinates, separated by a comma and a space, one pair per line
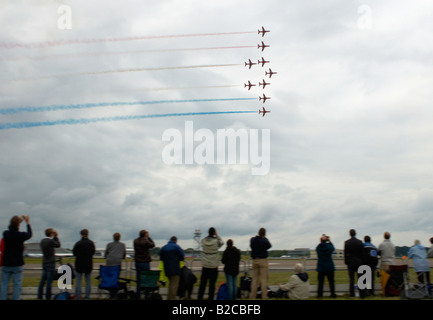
263, 111
249, 85
270, 73
263, 46
264, 84
263, 31
263, 61
249, 63
264, 98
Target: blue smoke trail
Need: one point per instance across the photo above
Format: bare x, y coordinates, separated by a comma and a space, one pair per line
104, 104
23, 125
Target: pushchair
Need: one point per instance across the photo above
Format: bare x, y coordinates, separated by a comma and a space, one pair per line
245, 281
110, 280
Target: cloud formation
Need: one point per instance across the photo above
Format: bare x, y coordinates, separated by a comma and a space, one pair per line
350, 122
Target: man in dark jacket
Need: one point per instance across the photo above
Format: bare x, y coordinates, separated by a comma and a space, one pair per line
171, 255
325, 265
259, 253
353, 258
231, 258
13, 260
48, 245
83, 251
142, 257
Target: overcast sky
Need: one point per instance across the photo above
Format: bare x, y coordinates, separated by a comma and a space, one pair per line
350, 124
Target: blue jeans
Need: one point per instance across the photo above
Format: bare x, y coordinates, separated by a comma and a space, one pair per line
231, 285
139, 266
87, 277
48, 271
17, 278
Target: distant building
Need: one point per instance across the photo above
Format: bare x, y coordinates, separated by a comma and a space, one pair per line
299, 253
33, 249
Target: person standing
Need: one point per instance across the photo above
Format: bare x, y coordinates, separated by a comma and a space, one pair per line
353, 258
13, 260
142, 256
210, 261
171, 255
115, 251
325, 265
386, 250
231, 258
430, 251
420, 263
259, 253
83, 251
371, 260
48, 245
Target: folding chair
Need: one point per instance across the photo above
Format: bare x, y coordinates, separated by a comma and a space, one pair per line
148, 282
110, 280
415, 289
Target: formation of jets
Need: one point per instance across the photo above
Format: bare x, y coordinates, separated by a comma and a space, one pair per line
268, 73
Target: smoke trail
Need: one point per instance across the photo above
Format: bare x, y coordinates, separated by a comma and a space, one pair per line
125, 70
11, 45
23, 125
105, 104
97, 54
184, 88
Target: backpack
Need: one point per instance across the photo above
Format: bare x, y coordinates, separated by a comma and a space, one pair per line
63, 296
223, 292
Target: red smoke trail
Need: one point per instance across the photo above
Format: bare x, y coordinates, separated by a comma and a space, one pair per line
124, 70
11, 45
92, 54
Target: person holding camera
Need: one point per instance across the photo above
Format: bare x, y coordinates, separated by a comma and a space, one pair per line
13, 259
48, 245
210, 260
142, 256
325, 265
259, 254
